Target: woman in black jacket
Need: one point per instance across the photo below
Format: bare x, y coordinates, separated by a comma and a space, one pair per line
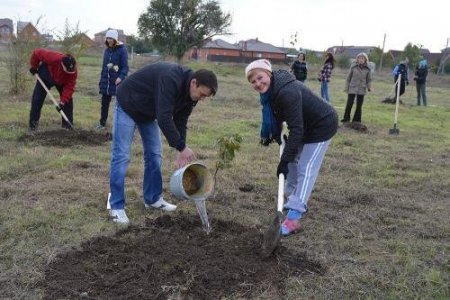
299, 67
312, 123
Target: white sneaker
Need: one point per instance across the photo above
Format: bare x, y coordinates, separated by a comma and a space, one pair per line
162, 204
118, 216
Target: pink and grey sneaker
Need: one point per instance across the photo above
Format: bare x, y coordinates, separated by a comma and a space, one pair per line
289, 227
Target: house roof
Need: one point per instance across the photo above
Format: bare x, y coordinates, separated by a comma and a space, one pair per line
350, 51
256, 45
120, 31
21, 25
6, 22
433, 58
220, 44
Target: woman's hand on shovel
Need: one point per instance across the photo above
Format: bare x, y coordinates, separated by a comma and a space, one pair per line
282, 168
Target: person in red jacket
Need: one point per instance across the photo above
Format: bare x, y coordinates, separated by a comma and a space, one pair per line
56, 70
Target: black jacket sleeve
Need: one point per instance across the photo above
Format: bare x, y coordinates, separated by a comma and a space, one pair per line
169, 90
289, 102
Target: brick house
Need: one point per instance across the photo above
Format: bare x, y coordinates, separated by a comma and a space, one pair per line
6, 30
243, 52
217, 50
99, 37
86, 40
254, 49
26, 30
350, 51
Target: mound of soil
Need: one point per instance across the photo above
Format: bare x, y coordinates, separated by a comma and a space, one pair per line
67, 138
358, 126
391, 100
173, 258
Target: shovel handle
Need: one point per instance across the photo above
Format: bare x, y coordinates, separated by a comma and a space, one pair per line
280, 200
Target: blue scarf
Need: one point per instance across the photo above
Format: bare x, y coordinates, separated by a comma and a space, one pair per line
270, 128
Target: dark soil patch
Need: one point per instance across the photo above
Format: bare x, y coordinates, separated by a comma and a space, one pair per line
391, 100
66, 138
173, 258
358, 126
246, 188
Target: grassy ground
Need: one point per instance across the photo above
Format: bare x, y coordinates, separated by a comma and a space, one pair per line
378, 218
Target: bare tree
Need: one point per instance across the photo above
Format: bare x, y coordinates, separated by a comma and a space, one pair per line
17, 60
72, 40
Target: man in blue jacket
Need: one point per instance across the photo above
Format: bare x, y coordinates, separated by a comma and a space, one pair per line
159, 96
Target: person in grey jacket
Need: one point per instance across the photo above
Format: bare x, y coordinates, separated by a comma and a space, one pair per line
157, 98
311, 121
359, 81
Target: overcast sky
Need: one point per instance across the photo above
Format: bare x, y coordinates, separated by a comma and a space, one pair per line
319, 23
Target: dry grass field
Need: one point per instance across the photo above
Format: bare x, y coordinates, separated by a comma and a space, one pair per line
377, 226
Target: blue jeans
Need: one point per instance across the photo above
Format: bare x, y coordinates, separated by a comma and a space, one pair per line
123, 133
324, 90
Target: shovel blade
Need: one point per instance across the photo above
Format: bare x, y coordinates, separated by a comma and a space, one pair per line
272, 236
394, 131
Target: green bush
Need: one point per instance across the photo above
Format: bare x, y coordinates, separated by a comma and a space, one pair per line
343, 61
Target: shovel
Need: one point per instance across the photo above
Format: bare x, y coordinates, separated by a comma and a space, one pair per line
395, 130
53, 100
272, 236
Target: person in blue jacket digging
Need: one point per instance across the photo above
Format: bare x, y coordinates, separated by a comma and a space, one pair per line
114, 71
311, 121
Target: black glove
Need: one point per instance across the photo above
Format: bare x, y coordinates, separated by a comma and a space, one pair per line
33, 71
60, 107
282, 168
279, 140
265, 141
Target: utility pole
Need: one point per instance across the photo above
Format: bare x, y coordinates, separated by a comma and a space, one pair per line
382, 53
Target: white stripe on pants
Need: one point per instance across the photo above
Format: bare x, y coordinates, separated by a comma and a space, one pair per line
303, 173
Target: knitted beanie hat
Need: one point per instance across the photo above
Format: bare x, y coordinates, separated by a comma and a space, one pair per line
112, 33
263, 64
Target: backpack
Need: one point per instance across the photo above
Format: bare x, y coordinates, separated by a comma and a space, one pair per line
401, 70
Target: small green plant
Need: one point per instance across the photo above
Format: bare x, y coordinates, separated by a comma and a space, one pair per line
227, 147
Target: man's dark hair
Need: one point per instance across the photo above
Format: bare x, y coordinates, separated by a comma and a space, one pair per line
206, 78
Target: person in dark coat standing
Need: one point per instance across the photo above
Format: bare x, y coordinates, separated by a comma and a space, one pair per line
157, 98
359, 81
420, 77
311, 121
299, 67
56, 70
114, 71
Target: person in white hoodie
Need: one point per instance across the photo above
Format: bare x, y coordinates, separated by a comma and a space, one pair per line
114, 70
